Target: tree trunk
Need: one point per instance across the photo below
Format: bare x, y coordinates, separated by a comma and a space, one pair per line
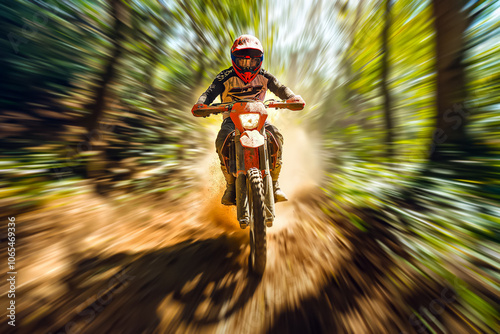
351, 93
97, 108
154, 60
450, 23
96, 163
389, 140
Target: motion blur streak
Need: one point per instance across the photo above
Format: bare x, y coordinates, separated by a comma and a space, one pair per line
392, 169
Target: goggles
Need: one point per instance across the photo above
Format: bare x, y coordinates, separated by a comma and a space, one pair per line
247, 62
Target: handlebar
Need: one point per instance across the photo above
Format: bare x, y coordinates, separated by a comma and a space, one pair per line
285, 105
218, 108
211, 109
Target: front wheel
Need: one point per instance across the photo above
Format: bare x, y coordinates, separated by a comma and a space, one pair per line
258, 244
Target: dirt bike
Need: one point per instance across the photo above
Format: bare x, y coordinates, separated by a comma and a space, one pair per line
250, 152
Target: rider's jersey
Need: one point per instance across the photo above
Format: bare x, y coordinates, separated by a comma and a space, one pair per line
230, 87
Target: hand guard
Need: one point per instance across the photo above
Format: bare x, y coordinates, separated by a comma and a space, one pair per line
196, 108
296, 99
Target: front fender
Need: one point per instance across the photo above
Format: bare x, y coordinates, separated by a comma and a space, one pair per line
252, 139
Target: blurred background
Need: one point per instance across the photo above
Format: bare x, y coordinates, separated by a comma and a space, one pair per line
393, 223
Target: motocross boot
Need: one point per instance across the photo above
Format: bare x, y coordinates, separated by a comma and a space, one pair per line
229, 197
279, 195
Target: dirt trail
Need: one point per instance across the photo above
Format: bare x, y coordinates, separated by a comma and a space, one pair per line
186, 272
95, 265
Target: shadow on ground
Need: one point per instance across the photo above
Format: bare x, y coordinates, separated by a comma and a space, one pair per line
193, 283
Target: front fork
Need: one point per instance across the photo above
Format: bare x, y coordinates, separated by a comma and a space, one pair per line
242, 166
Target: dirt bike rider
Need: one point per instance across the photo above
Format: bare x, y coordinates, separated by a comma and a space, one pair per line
246, 79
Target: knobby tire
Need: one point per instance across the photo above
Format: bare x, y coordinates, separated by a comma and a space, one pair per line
258, 244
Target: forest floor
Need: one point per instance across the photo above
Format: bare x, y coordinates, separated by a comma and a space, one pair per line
133, 269
92, 264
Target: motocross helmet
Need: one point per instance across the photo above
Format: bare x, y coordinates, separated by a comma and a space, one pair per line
247, 55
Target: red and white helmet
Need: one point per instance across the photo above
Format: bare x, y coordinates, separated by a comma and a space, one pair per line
247, 55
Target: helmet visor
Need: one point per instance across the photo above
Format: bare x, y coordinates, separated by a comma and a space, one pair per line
250, 63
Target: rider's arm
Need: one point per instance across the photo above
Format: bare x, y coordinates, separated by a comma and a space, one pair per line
215, 89
280, 90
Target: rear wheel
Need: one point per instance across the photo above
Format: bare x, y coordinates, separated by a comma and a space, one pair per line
258, 244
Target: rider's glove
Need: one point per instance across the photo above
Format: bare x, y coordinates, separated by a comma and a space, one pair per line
297, 99
196, 107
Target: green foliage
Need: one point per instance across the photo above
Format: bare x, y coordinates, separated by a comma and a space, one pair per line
57, 57
56, 54
439, 212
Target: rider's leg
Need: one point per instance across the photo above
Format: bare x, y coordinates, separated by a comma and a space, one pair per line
229, 197
279, 195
